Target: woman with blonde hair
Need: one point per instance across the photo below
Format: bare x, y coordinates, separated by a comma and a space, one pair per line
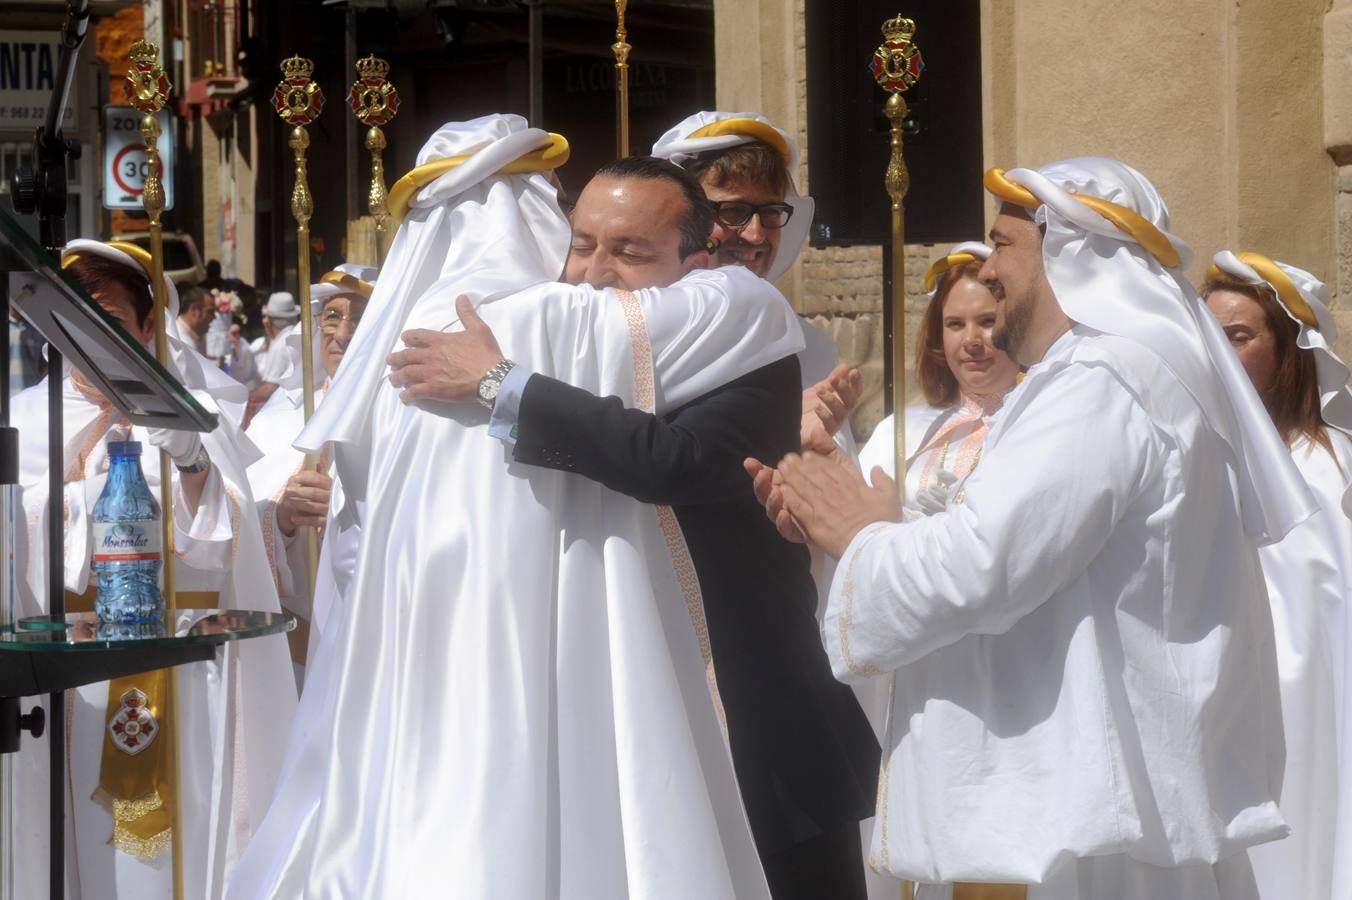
1277, 319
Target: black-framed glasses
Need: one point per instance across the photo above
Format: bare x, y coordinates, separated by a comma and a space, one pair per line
736, 213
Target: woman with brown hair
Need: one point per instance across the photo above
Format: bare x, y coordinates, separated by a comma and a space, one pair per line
1277, 319
963, 378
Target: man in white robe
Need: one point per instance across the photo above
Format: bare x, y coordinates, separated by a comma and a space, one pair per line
235, 710
289, 497
1085, 698
512, 696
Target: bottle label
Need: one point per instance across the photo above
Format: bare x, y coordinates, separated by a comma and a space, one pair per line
127, 541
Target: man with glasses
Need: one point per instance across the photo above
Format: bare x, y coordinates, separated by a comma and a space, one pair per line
290, 497
745, 165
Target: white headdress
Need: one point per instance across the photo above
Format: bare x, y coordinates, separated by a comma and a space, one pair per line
479, 217
961, 254
1115, 267
706, 132
195, 371
1306, 300
346, 278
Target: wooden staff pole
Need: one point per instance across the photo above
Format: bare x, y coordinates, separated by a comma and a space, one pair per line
896, 66
621, 50
299, 101
375, 102
148, 87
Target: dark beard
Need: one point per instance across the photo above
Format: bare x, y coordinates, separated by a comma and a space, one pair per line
1010, 334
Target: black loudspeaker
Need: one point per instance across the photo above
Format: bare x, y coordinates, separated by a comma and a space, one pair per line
848, 134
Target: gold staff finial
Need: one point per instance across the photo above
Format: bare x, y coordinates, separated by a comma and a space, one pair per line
375, 102
299, 101
896, 66
147, 89
621, 50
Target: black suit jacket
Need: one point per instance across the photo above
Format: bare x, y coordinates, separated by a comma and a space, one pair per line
805, 756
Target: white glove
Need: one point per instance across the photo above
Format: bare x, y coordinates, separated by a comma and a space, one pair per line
936, 495
182, 446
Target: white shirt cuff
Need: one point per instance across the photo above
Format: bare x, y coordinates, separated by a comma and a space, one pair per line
507, 406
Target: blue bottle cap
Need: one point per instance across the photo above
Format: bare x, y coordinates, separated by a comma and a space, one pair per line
124, 448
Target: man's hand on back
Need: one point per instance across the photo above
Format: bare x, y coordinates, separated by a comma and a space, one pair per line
445, 366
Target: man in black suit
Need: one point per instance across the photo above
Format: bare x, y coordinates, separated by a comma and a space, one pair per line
805, 756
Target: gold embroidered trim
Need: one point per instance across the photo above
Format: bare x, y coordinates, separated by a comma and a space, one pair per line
131, 810
846, 620
143, 849
686, 577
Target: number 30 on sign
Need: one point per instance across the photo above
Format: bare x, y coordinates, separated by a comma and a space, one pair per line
124, 158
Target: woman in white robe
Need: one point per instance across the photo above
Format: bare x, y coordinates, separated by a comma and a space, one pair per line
287, 496
1277, 318
964, 379
235, 710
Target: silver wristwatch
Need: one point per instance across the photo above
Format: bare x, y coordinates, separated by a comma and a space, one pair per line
491, 383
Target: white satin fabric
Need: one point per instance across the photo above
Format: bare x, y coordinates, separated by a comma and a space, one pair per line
511, 701
509, 696
507, 231
1085, 673
1309, 579
981, 251
1105, 280
236, 710
678, 146
273, 429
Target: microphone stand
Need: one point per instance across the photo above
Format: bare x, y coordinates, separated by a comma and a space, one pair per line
44, 192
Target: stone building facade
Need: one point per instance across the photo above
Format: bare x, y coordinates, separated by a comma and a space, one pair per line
1240, 112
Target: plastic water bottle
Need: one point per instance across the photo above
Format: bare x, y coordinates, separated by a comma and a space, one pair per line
127, 543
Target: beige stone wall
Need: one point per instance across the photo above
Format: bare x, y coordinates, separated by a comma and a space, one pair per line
1240, 112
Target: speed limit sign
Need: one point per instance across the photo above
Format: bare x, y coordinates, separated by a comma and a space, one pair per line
124, 158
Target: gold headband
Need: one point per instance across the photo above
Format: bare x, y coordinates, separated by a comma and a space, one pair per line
139, 255
752, 128
943, 265
1286, 289
1128, 221
542, 160
351, 284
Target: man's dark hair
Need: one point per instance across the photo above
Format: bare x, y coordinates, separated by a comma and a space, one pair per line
192, 297
697, 223
756, 163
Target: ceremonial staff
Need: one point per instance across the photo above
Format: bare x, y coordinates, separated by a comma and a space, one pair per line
621, 49
147, 89
375, 102
896, 66
299, 101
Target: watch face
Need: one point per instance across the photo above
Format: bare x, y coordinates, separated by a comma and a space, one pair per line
488, 389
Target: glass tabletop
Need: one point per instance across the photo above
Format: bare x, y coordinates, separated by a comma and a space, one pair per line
82, 631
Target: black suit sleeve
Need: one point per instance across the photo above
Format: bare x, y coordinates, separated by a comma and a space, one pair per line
692, 456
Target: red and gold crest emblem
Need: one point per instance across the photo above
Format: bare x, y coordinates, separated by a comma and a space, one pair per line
147, 86
133, 728
897, 64
373, 99
298, 100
